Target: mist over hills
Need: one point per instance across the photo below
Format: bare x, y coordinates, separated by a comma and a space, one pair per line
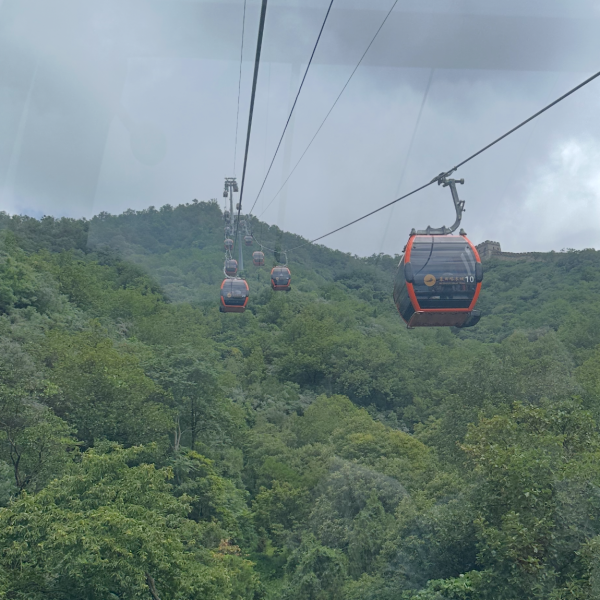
182, 249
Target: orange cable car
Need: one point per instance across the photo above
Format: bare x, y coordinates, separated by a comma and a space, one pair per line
258, 259
439, 276
231, 267
228, 244
234, 296
281, 279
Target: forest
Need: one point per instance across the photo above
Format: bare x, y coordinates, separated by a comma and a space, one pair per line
311, 448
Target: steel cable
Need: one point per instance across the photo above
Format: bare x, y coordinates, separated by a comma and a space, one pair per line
237, 116
261, 29
293, 107
460, 164
331, 109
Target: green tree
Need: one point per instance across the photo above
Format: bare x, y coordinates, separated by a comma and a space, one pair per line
193, 381
33, 440
279, 510
533, 510
110, 530
104, 393
315, 572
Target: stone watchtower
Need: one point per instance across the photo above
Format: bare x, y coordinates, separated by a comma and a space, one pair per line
488, 249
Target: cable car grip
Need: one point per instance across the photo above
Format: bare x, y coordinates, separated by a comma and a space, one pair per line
459, 206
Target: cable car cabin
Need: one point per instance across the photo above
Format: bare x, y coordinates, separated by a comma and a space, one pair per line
234, 296
228, 244
226, 215
281, 279
438, 282
231, 267
258, 259
248, 240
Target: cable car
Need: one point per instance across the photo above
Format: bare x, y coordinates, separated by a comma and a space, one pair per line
228, 244
281, 279
231, 267
226, 215
248, 239
234, 296
438, 282
258, 259
439, 276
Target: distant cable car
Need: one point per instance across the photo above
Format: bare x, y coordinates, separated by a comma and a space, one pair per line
281, 279
258, 259
234, 296
226, 215
439, 277
228, 244
248, 239
231, 267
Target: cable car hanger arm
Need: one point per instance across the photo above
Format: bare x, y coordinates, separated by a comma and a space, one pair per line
459, 206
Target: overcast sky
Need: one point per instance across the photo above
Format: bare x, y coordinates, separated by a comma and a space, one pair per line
118, 104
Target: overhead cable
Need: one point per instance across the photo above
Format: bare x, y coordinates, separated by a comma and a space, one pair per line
537, 114
293, 106
273, 250
237, 116
332, 106
409, 152
439, 177
261, 28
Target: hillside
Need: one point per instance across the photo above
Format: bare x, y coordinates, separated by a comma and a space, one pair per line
312, 448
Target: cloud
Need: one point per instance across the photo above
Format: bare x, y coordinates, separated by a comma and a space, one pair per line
562, 201
78, 77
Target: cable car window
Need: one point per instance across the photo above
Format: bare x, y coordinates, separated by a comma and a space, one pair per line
235, 292
281, 274
444, 269
401, 297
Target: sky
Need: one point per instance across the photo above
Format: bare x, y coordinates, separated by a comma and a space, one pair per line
124, 104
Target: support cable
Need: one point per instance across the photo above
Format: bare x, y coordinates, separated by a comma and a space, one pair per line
332, 107
293, 106
444, 174
237, 117
274, 251
408, 153
261, 28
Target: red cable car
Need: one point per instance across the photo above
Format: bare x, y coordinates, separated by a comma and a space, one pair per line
231, 267
228, 244
258, 259
248, 240
281, 279
439, 277
234, 296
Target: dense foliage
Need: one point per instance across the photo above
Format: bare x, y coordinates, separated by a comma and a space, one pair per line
311, 448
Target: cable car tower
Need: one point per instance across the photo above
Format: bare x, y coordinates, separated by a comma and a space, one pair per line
230, 187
